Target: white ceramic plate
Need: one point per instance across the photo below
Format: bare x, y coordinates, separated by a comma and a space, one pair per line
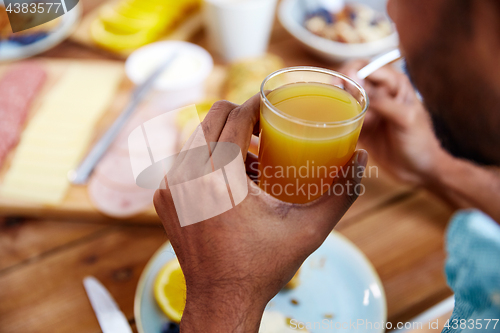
13, 51
337, 280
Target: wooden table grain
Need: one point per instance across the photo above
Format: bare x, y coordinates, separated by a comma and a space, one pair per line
42, 262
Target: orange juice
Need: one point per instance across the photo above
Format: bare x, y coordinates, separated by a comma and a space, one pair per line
311, 133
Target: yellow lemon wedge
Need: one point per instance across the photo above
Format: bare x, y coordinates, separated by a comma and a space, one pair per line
170, 290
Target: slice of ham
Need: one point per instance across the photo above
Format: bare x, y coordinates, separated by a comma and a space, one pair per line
119, 202
112, 187
115, 170
18, 88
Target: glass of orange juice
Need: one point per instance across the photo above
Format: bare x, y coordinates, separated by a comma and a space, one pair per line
309, 127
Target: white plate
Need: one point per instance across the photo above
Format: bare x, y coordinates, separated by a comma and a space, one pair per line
14, 51
336, 280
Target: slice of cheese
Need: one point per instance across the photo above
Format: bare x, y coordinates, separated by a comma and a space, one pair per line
58, 135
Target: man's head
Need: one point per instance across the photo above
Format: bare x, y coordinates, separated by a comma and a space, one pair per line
452, 50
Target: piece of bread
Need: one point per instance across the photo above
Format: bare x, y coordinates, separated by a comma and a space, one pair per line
245, 77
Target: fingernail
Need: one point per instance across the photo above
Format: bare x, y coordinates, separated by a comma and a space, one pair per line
361, 157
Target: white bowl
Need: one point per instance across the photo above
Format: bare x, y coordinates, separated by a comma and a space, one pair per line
10, 51
292, 14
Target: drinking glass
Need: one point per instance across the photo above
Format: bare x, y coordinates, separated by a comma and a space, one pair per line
299, 159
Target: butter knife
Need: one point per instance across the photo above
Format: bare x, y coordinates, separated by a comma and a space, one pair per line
81, 174
108, 314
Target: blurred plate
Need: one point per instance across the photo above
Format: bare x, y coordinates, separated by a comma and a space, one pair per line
148, 316
13, 51
338, 285
336, 281
292, 14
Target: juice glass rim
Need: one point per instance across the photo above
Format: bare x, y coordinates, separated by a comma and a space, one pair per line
309, 122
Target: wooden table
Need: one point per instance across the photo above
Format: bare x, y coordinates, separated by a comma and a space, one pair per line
43, 262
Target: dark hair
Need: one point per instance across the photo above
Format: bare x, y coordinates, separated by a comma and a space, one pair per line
458, 14
457, 93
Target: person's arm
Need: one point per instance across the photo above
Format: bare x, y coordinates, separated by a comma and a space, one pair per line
221, 312
466, 185
398, 133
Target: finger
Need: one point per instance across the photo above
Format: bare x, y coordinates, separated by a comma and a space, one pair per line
339, 198
351, 70
241, 122
252, 166
406, 93
386, 76
388, 107
193, 156
216, 119
403, 95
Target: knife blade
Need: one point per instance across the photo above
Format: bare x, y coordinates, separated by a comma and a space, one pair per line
108, 314
83, 171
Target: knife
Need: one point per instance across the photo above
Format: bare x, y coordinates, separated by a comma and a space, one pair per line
82, 173
108, 314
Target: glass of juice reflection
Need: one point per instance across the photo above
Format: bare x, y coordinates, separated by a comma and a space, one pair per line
309, 127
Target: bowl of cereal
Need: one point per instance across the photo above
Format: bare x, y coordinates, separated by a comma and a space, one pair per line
340, 30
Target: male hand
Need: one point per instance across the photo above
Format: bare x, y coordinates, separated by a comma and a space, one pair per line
397, 129
236, 262
398, 133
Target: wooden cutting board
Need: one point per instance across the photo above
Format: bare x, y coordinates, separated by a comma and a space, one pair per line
77, 204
